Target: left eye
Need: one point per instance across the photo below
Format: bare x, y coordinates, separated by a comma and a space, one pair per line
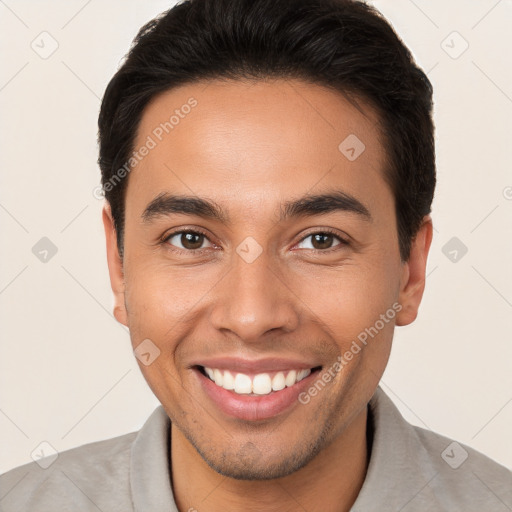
321, 241
188, 240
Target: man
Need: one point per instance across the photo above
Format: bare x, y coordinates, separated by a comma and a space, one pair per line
268, 169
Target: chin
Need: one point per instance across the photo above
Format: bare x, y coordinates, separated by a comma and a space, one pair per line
251, 463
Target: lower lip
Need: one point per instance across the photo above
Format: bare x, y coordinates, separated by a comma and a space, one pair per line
250, 407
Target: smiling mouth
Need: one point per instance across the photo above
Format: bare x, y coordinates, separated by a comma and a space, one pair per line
256, 384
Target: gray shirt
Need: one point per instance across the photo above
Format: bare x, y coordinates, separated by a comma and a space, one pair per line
411, 469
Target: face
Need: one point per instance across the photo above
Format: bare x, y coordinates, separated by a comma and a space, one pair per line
257, 254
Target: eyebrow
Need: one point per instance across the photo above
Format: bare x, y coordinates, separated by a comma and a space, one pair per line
166, 204
310, 205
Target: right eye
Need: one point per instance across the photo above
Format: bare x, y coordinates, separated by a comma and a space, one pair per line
187, 240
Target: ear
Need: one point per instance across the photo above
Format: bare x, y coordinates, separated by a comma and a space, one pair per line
115, 266
412, 282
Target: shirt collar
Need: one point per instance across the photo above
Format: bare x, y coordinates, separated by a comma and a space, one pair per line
150, 477
400, 466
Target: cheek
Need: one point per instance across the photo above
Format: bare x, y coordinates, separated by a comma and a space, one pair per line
152, 302
165, 304
357, 307
160, 293
350, 298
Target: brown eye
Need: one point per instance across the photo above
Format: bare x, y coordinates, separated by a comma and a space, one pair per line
188, 240
321, 241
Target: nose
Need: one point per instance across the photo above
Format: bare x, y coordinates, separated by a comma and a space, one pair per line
252, 300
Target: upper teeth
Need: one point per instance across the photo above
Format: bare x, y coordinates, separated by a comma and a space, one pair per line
260, 384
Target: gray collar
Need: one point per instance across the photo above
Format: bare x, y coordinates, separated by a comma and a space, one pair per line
400, 467
150, 477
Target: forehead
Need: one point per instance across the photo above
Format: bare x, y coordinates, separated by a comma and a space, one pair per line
234, 140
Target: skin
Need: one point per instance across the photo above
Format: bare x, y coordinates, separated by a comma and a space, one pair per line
250, 147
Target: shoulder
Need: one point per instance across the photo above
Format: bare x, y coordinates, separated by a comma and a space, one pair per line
92, 476
415, 469
464, 475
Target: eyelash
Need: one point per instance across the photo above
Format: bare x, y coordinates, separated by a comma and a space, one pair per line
343, 242
167, 237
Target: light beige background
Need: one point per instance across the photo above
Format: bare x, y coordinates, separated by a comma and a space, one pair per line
67, 373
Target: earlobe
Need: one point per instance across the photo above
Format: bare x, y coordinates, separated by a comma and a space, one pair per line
413, 274
115, 266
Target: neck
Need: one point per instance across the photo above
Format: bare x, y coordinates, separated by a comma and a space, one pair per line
331, 481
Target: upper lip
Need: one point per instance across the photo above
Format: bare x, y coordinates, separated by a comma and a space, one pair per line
267, 364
